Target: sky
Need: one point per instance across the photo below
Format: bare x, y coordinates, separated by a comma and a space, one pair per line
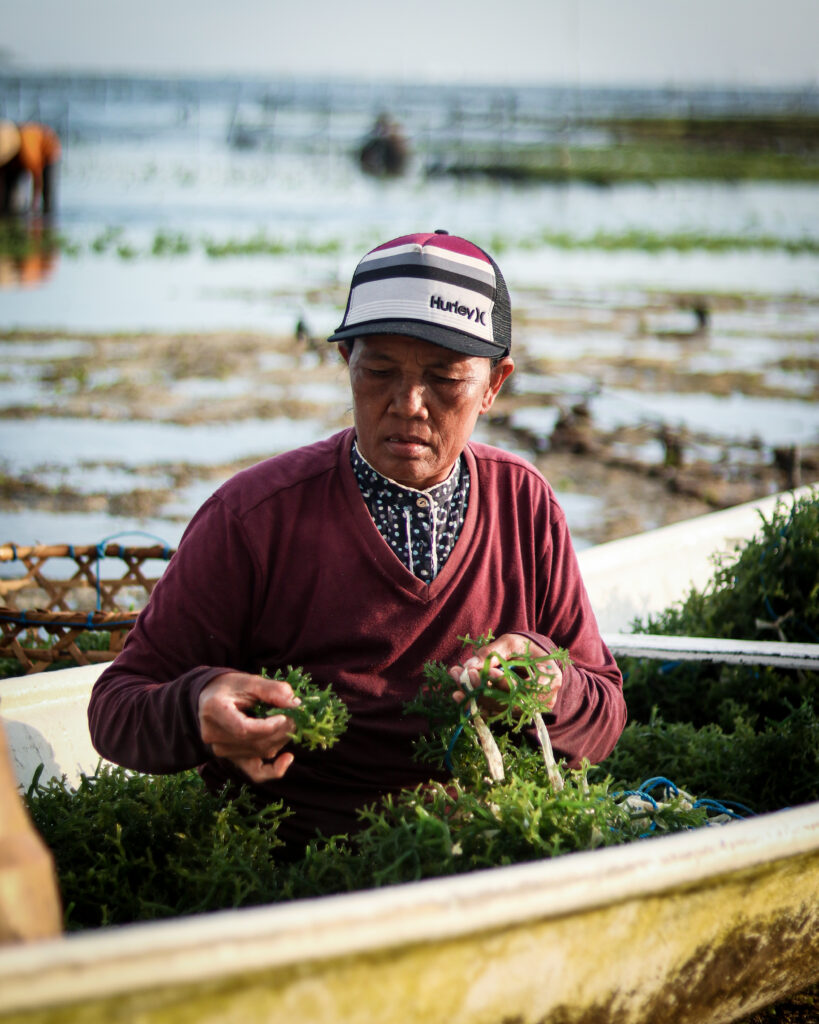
756, 43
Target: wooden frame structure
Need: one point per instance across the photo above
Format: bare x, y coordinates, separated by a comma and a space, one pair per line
43, 615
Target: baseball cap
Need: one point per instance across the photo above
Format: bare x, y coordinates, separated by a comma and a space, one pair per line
433, 286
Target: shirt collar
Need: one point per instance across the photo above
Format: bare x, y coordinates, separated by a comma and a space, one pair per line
396, 494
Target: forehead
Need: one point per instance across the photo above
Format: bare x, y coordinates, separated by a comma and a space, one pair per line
401, 348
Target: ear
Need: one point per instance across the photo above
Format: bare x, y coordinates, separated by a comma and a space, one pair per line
345, 351
497, 375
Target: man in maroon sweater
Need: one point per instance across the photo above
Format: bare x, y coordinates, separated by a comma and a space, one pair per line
362, 557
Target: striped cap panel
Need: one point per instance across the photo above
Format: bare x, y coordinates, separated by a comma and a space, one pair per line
428, 280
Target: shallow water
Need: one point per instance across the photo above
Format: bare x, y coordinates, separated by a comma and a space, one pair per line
732, 417
143, 159
32, 444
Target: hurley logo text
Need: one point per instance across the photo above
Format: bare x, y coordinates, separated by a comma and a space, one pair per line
470, 312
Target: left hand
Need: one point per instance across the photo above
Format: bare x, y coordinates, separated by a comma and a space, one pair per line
508, 646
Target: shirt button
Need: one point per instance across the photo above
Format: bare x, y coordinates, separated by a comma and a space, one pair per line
422, 502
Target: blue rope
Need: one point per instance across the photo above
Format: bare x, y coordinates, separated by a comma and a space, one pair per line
724, 807
658, 780
453, 741
101, 545
730, 808
643, 796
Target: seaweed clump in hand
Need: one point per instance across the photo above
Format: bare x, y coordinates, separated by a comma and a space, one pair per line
319, 720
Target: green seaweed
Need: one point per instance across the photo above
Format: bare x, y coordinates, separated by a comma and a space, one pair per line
746, 732
321, 718
132, 847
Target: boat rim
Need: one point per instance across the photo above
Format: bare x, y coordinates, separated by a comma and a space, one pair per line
239, 941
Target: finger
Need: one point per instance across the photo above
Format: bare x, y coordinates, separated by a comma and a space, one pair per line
262, 749
232, 728
471, 670
277, 692
264, 769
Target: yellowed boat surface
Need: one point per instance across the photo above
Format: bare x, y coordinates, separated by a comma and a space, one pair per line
703, 926
699, 927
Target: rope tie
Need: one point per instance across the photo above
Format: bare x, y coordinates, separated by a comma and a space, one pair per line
101, 546
453, 741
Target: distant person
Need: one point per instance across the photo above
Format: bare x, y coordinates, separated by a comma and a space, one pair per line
360, 558
38, 154
9, 151
384, 152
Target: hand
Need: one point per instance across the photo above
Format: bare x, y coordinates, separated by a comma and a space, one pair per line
508, 646
253, 744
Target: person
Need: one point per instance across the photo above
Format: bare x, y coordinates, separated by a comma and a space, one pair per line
37, 155
362, 557
9, 149
384, 152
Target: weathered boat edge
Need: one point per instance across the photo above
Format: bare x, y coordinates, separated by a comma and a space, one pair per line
115, 962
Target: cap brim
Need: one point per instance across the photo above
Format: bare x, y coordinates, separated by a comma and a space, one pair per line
443, 336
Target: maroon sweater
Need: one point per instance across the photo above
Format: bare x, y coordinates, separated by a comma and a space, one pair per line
284, 566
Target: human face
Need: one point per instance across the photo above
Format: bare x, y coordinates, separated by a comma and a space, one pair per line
415, 404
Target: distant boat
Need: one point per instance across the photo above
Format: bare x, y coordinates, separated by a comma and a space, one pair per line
706, 925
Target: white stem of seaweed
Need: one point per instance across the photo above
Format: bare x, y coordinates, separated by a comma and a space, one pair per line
490, 749
552, 770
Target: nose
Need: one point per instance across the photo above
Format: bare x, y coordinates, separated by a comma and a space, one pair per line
409, 398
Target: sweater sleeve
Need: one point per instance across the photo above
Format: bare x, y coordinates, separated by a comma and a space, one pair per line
590, 712
143, 711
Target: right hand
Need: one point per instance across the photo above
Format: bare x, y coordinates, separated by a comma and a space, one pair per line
254, 745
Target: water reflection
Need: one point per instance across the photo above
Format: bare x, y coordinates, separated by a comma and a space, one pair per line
29, 252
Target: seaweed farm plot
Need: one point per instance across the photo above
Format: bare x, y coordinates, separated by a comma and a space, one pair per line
640, 407
713, 395
104, 434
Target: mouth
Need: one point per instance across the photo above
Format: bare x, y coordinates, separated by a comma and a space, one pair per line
406, 445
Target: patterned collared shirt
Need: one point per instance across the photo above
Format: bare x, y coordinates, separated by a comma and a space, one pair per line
421, 527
